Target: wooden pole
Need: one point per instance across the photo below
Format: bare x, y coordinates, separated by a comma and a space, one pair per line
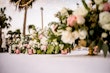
41, 16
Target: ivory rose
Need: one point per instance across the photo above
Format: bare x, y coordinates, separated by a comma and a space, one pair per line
80, 20
67, 37
106, 26
104, 18
82, 34
81, 12
76, 34
104, 35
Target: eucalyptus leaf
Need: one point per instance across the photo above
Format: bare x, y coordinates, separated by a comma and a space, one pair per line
50, 49
100, 43
57, 49
91, 32
105, 49
85, 5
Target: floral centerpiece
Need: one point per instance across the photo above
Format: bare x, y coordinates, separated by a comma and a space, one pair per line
98, 23
87, 26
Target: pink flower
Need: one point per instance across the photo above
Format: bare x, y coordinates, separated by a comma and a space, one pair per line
71, 21
65, 51
40, 36
106, 6
17, 51
30, 51
28, 46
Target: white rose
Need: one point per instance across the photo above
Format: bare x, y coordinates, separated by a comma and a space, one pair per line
101, 6
82, 34
106, 26
80, 20
67, 37
75, 34
104, 35
104, 17
81, 12
98, 1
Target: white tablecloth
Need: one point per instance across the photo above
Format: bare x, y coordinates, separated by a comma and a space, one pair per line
74, 62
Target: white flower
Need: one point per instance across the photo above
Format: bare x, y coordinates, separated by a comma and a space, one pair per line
14, 46
98, 1
75, 34
106, 26
82, 34
104, 35
43, 41
64, 11
68, 28
53, 27
81, 12
104, 17
43, 47
18, 39
38, 44
64, 21
80, 20
61, 46
32, 31
101, 6
32, 42
67, 37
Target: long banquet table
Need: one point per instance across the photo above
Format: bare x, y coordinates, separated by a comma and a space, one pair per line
75, 62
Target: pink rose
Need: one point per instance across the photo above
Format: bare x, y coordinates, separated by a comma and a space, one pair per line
17, 51
106, 6
65, 51
71, 21
30, 51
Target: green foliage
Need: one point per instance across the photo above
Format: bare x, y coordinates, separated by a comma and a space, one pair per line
4, 19
85, 5
50, 49
57, 49
105, 49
